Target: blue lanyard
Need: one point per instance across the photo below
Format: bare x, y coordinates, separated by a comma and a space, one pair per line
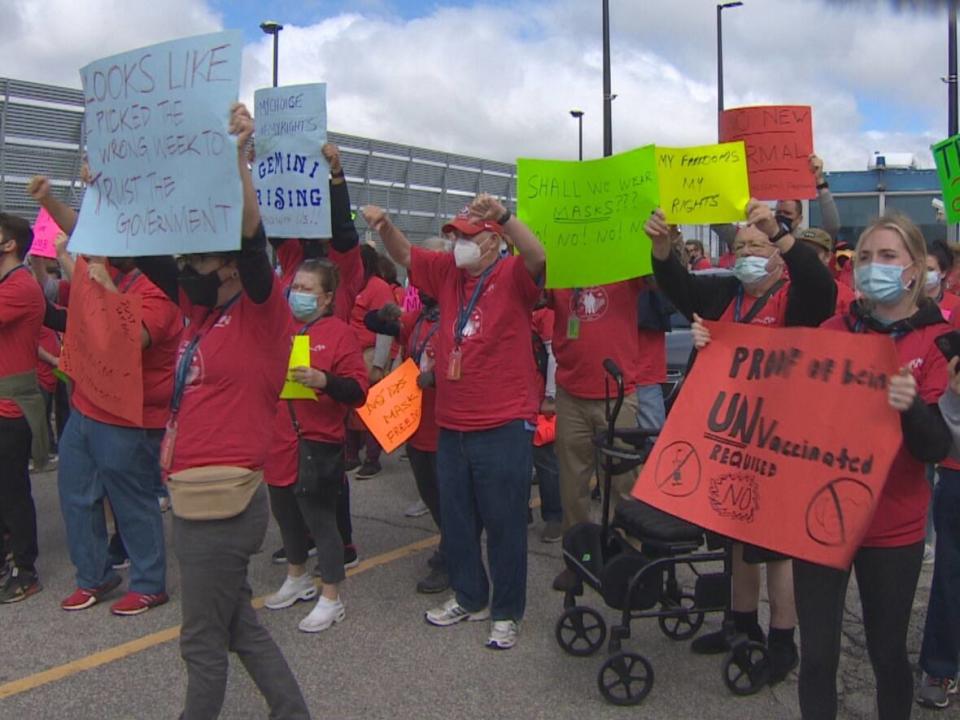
416, 352
467, 309
186, 359
858, 327
738, 305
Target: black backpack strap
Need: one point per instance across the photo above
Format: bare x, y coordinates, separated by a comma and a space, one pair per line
763, 300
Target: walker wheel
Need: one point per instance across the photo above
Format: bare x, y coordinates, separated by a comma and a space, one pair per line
625, 678
685, 624
581, 631
746, 669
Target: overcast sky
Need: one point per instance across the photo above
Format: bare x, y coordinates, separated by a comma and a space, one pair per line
497, 79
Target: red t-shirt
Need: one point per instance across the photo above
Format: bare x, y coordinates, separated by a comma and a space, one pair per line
375, 294
652, 365
543, 325
496, 352
421, 337
901, 514
727, 260
334, 349
22, 307
702, 264
845, 298
164, 324
234, 381
950, 307
349, 269
772, 314
49, 341
607, 317
63, 293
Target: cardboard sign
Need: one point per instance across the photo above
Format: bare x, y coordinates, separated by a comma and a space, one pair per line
589, 215
703, 185
102, 350
45, 232
299, 357
392, 412
779, 140
766, 442
946, 153
164, 165
290, 173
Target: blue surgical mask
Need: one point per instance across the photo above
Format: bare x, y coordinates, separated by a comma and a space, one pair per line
933, 279
751, 269
881, 283
302, 304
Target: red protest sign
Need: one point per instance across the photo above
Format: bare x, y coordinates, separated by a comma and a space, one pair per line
45, 232
392, 412
102, 346
766, 441
779, 142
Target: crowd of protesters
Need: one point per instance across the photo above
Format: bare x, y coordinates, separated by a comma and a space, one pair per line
513, 389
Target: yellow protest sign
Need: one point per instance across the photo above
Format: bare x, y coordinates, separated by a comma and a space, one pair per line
392, 412
703, 185
299, 357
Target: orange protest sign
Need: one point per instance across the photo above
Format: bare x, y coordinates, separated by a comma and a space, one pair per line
780, 437
392, 412
101, 349
779, 141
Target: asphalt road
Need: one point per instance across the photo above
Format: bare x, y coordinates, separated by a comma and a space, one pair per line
383, 661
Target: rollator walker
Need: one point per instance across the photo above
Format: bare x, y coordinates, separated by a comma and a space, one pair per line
632, 564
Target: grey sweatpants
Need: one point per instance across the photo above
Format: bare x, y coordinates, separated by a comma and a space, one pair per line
218, 617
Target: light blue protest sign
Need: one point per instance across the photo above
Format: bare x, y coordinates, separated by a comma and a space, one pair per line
163, 164
289, 172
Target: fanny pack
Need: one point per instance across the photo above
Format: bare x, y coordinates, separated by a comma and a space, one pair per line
214, 492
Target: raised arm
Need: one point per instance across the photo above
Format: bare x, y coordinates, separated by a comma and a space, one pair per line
63, 215
528, 245
345, 236
241, 125
395, 242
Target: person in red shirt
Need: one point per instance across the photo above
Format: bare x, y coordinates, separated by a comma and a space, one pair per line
939, 267
757, 294
229, 373
890, 262
105, 456
306, 506
22, 428
48, 355
485, 415
545, 461
822, 244
696, 258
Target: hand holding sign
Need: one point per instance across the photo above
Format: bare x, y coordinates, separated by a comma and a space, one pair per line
241, 126
392, 411
903, 390
331, 153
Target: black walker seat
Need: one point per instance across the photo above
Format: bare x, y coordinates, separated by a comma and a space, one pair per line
632, 564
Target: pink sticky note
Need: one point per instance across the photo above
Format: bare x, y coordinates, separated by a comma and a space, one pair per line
45, 231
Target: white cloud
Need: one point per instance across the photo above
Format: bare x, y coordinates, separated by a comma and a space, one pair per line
498, 84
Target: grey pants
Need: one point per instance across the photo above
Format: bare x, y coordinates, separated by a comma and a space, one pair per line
218, 617
303, 516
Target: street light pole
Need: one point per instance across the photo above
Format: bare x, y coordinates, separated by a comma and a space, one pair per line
607, 97
271, 27
578, 114
952, 70
720, 8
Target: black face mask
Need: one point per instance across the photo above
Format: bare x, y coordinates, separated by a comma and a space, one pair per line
200, 289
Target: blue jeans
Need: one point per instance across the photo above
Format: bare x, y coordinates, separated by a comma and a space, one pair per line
548, 476
651, 413
940, 651
484, 482
99, 460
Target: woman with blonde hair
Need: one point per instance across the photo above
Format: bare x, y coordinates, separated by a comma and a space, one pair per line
889, 269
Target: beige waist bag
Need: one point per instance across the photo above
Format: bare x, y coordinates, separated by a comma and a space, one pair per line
214, 492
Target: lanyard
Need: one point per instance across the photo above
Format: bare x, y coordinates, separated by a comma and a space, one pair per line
309, 325
186, 359
858, 327
127, 280
466, 309
417, 352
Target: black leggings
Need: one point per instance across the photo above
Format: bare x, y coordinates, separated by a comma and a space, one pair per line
17, 511
302, 515
887, 579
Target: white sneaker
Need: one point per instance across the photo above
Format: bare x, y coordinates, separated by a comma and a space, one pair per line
324, 614
452, 612
503, 634
418, 509
293, 589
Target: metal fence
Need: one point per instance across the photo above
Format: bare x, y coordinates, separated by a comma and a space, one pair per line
41, 127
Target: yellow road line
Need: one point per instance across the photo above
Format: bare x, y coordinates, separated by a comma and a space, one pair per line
119, 652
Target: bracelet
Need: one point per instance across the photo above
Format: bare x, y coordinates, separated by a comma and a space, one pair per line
505, 218
823, 186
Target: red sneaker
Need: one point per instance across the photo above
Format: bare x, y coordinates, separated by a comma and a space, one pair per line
134, 603
83, 598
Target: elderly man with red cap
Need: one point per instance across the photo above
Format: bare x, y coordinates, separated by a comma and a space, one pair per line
486, 404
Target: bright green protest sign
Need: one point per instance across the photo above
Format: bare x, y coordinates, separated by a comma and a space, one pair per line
947, 156
589, 215
703, 185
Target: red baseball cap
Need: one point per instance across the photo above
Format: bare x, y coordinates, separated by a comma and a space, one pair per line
470, 226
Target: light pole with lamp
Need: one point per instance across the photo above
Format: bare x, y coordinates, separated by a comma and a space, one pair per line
578, 114
720, 8
271, 27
